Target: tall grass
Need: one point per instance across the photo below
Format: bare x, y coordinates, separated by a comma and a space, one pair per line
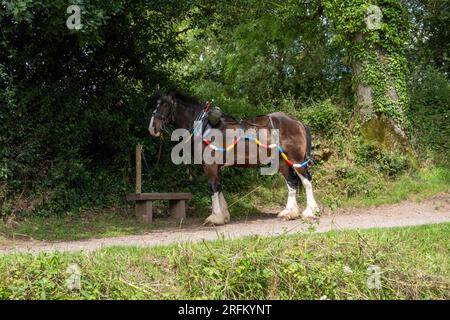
413, 264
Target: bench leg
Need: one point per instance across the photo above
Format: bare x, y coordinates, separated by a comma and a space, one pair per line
144, 211
177, 209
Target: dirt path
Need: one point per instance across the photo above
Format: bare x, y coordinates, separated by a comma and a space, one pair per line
407, 213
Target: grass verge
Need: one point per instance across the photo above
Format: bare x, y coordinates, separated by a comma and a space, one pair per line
413, 264
419, 185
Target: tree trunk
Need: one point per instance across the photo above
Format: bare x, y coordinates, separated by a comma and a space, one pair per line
376, 126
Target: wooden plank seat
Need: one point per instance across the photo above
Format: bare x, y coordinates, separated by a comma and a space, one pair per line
144, 204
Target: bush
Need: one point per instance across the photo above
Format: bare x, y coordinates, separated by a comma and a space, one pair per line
389, 163
429, 113
322, 116
67, 110
357, 181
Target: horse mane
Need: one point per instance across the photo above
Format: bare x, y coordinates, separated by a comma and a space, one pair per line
184, 97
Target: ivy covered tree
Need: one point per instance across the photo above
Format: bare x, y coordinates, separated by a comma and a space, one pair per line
374, 34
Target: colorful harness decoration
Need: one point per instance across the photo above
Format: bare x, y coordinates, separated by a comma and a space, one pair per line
307, 163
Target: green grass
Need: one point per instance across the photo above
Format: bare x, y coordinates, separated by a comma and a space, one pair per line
92, 224
414, 264
421, 184
417, 185
269, 196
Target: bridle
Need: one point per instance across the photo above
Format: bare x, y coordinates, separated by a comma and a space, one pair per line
170, 117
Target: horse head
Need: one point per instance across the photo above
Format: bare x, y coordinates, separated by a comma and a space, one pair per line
163, 114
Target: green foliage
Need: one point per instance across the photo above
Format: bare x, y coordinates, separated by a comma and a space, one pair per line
357, 182
222, 96
428, 43
334, 265
387, 162
430, 114
74, 103
323, 116
266, 50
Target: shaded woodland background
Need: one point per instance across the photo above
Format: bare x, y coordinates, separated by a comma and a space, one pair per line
73, 104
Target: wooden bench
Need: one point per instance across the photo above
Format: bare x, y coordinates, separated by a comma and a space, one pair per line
144, 204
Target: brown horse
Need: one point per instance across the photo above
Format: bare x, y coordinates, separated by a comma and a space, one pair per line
294, 139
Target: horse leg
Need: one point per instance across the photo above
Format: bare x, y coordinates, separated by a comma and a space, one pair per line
311, 206
291, 211
224, 206
220, 214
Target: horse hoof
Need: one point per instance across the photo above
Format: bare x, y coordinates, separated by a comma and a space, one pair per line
283, 213
289, 214
224, 206
215, 220
226, 215
311, 213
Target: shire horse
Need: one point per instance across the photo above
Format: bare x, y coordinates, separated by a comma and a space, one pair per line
181, 110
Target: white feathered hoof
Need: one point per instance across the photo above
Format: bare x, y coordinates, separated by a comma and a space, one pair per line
311, 213
215, 220
224, 207
289, 214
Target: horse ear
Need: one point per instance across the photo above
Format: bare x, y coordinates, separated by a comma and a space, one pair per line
172, 94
